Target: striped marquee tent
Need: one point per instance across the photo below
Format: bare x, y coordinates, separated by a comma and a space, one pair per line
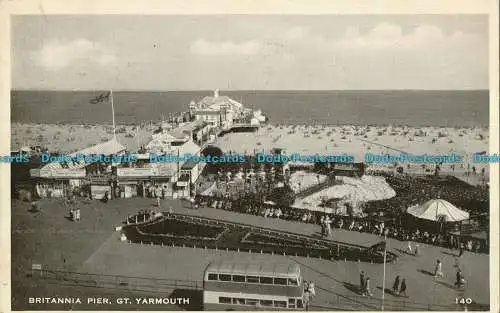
111, 147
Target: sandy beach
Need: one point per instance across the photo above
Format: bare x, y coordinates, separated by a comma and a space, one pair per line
356, 140
72, 138
302, 139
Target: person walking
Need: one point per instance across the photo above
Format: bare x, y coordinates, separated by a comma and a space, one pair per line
362, 282
461, 250
460, 283
395, 286
367, 287
402, 289
312, 290
409, 248
306, 299
328, 226
77, 215
438, 271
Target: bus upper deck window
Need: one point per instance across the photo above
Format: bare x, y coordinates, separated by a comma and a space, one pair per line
279, 281
239, 278
292, 282
266, 280
212, 276
224, 277
252, 279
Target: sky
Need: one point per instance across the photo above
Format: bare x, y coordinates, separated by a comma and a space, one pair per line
249, 52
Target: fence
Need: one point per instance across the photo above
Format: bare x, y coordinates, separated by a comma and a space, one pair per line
118, 282
160, 285
308, 246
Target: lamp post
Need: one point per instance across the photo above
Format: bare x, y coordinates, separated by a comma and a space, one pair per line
383, 281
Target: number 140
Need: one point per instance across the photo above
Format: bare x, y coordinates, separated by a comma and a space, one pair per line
463, 300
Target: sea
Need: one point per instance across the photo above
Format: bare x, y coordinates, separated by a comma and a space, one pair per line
386, 107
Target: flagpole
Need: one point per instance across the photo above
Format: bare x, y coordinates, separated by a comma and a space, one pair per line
113, 112
383, 281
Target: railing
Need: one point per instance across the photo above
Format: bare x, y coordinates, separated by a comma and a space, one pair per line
313, 247
270, 231
160, 285
116, 281
243, 125
313, 189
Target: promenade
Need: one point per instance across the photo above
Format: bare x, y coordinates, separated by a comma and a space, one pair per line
92, 246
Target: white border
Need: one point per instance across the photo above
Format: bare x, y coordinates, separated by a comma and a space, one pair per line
312, 7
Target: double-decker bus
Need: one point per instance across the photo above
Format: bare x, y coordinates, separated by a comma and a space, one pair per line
253, 286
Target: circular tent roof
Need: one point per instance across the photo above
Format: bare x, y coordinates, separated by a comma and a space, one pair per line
437, 209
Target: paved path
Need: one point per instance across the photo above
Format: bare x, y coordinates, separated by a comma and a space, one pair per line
92, 245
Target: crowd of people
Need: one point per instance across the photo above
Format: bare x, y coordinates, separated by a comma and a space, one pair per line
459, 280
143, 216
412, 190
392, 227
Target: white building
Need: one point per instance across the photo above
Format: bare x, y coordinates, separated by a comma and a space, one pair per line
218, 111
57, 179
177, 177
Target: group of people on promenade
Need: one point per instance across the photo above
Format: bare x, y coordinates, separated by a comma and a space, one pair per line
398, 288
329, 221
438, 274
73, 211
74, 214
309, 293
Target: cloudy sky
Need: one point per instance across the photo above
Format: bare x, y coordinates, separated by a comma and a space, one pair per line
248, 52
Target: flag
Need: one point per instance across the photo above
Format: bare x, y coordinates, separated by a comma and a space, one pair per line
102, 97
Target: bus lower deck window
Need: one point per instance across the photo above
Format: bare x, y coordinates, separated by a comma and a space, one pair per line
239, 301
225, 300
280, 304
291, 303
299, 304
252, 301
252, 279
266, 302
266, 280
